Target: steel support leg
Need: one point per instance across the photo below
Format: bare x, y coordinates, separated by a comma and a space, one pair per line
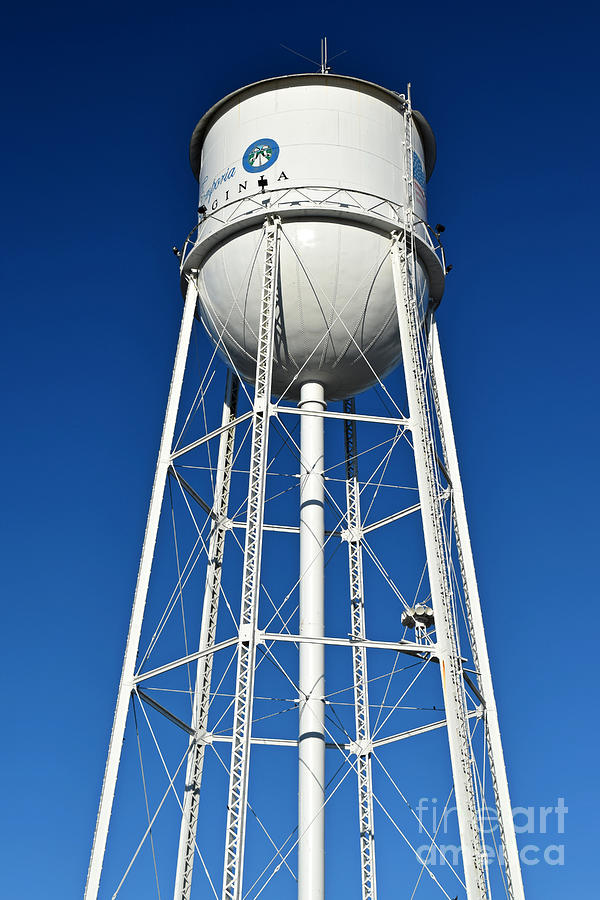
438, 564
139, 601
359, 662
244, 695
311, 739
477, 633
208, 630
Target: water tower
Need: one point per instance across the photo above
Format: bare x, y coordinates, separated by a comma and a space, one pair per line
307, 657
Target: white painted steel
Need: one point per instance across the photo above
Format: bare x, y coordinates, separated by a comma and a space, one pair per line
337, 317
208, 630
311, 740
478, 641
139, 600
438, 562
308, 303
409, 647
439, 581
344, 416
363, 744
235, 838
439, 573
184, 661
334, 131
310, 203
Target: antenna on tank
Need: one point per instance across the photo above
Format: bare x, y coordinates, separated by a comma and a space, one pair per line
324, 66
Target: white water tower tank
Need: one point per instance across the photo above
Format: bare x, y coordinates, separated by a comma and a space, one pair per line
325, 154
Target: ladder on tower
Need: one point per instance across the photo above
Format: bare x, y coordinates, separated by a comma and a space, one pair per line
404, 266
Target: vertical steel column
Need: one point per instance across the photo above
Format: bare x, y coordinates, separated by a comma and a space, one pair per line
475, 618
244, 695
359, 663
438, 567
139, 600
404, 268
311, 682
208, 630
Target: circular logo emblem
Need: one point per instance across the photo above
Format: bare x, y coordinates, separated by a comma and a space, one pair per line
260, 155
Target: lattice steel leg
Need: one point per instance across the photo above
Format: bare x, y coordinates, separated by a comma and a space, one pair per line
475, 618
208, 630
139, 601
438, 564
244, 696
359, 661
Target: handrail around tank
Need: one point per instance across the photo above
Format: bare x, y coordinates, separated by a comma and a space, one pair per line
264, 200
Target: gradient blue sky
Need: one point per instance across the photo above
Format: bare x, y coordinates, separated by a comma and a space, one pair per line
99, 104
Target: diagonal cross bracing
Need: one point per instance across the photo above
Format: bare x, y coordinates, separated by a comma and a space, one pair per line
208, 630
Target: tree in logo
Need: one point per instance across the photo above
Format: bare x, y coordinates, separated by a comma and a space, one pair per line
260, 155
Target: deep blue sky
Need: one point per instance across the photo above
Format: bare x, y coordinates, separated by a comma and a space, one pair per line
99, 105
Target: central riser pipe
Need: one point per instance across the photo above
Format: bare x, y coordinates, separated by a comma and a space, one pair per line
311, 772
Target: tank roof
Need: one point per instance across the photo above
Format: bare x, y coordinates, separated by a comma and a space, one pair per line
258, 87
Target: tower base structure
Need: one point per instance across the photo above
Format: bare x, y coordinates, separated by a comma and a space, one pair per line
306, 685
